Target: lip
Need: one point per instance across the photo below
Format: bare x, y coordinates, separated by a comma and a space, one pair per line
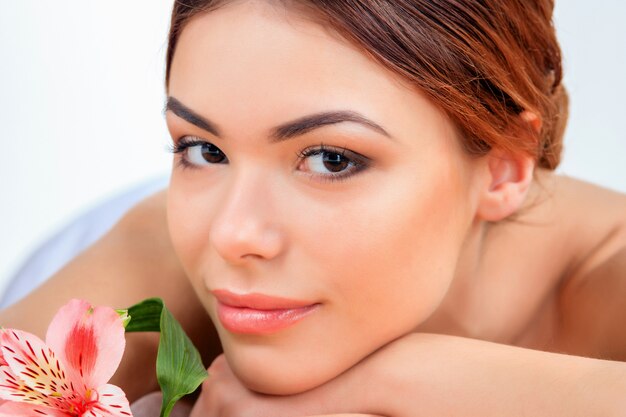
257, 301
258, 313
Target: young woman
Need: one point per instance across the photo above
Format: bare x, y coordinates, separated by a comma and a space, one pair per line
363, 216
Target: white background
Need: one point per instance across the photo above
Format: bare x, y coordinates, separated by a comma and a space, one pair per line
81, 94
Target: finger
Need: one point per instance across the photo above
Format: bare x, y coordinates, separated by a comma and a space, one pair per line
181, 409
150, 406
147, 406
345, 415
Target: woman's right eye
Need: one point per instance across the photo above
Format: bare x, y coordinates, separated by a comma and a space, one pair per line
197, 153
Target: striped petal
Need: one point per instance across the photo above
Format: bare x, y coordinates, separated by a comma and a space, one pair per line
89, 340
112, 402
13, 409
14, 389
31, 367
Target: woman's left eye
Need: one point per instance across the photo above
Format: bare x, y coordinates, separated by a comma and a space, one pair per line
330, 164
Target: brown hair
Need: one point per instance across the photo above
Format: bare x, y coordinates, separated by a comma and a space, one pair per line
482, 61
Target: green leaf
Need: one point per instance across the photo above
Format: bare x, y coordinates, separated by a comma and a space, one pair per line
179, 367
145, 316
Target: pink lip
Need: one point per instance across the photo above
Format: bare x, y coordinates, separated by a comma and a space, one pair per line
258, 313
257, 301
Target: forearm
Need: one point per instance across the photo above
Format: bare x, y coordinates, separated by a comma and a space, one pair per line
426, 374
429, 374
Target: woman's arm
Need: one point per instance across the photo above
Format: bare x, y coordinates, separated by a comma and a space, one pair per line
425, 374
431, 374
133, 261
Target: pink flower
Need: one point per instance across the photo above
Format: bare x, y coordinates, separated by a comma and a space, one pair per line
66, 376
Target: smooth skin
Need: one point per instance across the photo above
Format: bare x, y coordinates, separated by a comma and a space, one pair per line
427, 290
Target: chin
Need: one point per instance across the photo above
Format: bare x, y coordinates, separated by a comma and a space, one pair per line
283, 376
277, 385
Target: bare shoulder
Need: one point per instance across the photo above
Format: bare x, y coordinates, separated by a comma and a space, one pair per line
593, 197
592, 289
596, 220
116, 270
148, 215
580, 221
133, 261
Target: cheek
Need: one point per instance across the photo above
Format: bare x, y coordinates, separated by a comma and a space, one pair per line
188, 217
390, 250
393, 257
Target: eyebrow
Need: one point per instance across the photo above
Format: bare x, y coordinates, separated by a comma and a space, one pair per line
284, 131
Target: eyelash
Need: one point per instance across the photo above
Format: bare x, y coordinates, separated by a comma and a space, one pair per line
358, 162
180, 148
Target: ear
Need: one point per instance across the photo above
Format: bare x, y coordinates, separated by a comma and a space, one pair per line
508, 179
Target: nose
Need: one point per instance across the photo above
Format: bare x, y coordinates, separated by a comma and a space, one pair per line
245, 227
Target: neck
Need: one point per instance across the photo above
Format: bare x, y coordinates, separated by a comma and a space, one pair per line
484, 260
457, 312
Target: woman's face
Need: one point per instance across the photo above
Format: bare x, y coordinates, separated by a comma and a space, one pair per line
368, 229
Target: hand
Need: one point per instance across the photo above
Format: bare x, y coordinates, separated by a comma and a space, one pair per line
223, 395
150, 406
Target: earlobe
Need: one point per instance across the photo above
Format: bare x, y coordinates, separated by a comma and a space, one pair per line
508, 180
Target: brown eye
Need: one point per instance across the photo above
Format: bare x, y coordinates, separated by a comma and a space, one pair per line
334, 162
331, 164
212, 153
324, 162
203, 153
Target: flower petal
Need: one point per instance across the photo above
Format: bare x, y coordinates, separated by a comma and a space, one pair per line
112, 402
90, 341
12, 409
14, 389
32, 368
